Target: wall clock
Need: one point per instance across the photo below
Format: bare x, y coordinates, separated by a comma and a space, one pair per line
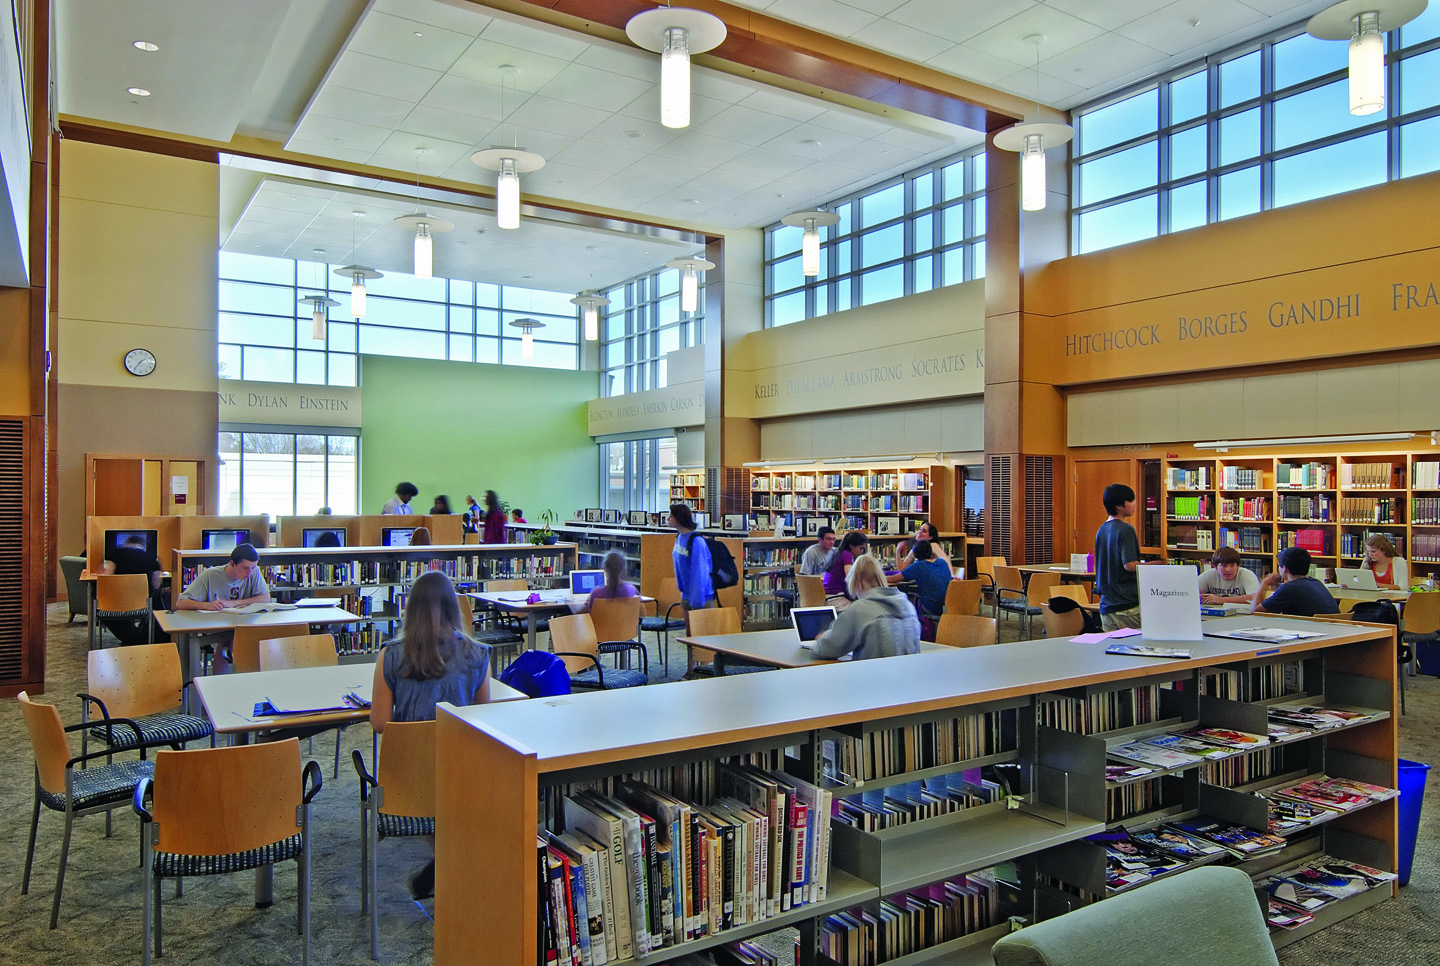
139, 362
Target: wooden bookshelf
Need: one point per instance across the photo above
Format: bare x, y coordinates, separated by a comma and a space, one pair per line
882, 500
493, 762
688, 488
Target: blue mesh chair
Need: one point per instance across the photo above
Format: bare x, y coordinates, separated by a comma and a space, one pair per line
574, 640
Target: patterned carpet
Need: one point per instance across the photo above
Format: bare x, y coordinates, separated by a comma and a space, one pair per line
216, 921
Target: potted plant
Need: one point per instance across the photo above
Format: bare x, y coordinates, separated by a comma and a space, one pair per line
545, 535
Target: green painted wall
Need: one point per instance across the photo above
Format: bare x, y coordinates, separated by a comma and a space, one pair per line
458, 428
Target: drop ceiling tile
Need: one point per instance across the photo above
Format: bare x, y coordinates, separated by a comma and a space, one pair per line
783, 104
543, 143
854, 123
765, 162
797, 142
1111, 13
1006, 41
839, 19
607, 158
593, 87
737, 123
1170, 30
408, 41
715, 85
647, 107
434, 123
730, 184
627, 62
559, 180
1101, 61
557, 117
923, 142
530, 35
362, 72
663, 170
879, 8
1290, 10
463, 19
900, 40
625, 129
623, 192
963, 61
700, 150
276, 217
399, 151
484, 59
956, 20
462, 95
342, 102
340, 133
1052, 90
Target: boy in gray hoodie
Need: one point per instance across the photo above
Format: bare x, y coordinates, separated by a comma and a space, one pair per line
880, 623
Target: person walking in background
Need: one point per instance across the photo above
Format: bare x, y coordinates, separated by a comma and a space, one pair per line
1117, 554
441, 506
494, 526
691, 558
472, 515
399, 504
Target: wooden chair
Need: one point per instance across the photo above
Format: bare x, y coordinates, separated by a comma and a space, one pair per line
123, 597
964, 596
499, 634
144, 684
985, 570
713, 621
1062, 625
309, 650
617, 619
1074, 591
1014, 597
467, 612
576, 644
219, 810
398, 801
669, 604
810, 590
61, 787
966, 630
245, 649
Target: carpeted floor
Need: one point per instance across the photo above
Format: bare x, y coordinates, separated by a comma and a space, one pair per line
216, 922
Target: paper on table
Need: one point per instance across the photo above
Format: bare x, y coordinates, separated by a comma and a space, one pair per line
1106, 636
300, 697
316, 602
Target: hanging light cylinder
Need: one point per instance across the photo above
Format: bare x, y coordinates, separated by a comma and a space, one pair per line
590, 304
690, 269
1032, 174
675, 33
811, 221
1364, 24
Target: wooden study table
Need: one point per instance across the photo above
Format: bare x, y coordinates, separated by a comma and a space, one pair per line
1067, 574
184, 626
551, 602
777, 648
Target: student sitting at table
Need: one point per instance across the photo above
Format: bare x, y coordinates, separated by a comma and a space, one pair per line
880, 623
1299, 595
433, 660
1226, 582
931, 575
234, 584
1383, 559
928, 532
615, 583
851, 549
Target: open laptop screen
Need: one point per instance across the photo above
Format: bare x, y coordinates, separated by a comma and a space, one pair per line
811, 622
584, 581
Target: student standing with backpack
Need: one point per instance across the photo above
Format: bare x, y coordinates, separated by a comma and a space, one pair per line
691, 557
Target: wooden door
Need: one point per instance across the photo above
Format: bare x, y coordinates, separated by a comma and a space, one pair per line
118, 487
1091, 477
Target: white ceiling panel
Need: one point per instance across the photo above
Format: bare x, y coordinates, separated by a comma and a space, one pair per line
901, 40
362, 72
1111, 13
1171, 29
458, 16
839, 18
409, 41
1059, 32
319, 129
955, 20
592, 87
739, 123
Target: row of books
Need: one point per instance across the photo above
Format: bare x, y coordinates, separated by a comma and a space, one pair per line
1261, 683
912, 921
1319, 542
765, 583
1425, 510
1425, 546
1304, 476
1191, 507
1106, 711
1241, 478
1370, 509
1186, 537
766, 612
1353, 544
1252, 508
1318, 508
877, 809
1252, 539
770, 556
1373, 476
1241, 769
1180, 478
1294, 896
655, 870
1426, 476
930, 744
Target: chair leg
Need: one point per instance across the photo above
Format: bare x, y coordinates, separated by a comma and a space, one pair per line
34, 827
60, 878
372, 836
159, 917
1402, 692
147, 898
364, 856
305, 883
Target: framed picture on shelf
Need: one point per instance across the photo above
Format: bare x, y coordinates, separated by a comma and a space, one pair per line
592, 515
735, 521
813, 525
887, 526
610, 516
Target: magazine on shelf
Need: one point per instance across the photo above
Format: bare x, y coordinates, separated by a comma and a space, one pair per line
1266, 635
1148, 650
1316, 718
1289, 814
1151, 755
1237, 839
1226, 737
1285, 915
1123, 773
1176, 843
1187, 745
1340, 794
1296, 893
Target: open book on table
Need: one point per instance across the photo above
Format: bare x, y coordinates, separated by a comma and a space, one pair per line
258, 608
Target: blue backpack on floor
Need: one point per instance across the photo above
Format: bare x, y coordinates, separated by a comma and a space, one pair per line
538, 674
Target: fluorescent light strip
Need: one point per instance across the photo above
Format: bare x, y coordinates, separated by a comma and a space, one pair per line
766, 463
870, 459
1305, 440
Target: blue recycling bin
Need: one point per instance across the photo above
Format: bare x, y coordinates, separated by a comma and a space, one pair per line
1412, 796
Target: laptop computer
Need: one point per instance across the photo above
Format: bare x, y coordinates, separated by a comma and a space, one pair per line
584, 581
811, 622
1356, 578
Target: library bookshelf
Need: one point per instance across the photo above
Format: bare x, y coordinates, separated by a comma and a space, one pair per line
373, 582
885, 500
1329, 505
689, 489
495, 762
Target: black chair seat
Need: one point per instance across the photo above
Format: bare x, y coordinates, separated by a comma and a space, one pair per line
101, 785
746, 669
400, 826
122, 614
615, 678
1018, 607
155, 729
170, 864
658, 624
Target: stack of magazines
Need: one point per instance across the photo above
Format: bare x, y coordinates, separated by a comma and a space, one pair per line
1238, 840
1296, 894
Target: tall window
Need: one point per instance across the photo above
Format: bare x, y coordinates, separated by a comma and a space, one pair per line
265, 332
642, 323
923, 230
1261, 126
634, 473
282, 473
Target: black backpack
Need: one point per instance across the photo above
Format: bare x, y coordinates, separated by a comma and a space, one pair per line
1376, 612
723, 572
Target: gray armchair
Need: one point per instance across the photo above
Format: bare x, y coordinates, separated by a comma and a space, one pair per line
74, 587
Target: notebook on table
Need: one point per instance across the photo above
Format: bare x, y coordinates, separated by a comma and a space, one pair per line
811, 622
1356, 578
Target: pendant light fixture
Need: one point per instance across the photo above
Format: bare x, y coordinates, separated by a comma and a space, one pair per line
424, 226
590, 303
1031, 139
319, 304
812, 221
357, 274
1364, 23
511, 162
675, 33
527, 328
690, 269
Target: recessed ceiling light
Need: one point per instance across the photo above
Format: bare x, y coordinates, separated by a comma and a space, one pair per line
145, 45
138, 91
419, 34
634, 135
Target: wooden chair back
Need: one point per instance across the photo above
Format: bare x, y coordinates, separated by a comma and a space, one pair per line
215, 801
575, 634
47, 740
407, 768
1008, 578
1422, 613
137, 680
987, 565
809, 590
616, 619
667, 596
1062, 625
118, 593
245, 652
1074, 591
963, 596
714, 620
311, 650
966, 630
1040, 587
467, 612
517, 583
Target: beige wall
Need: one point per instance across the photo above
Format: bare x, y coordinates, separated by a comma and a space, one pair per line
922, 429
138, 235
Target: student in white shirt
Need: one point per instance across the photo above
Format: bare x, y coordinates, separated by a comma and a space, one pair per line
1226, 582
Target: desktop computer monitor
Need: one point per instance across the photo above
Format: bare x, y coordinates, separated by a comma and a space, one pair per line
396, 536
223, 539
147, 540
322, 537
